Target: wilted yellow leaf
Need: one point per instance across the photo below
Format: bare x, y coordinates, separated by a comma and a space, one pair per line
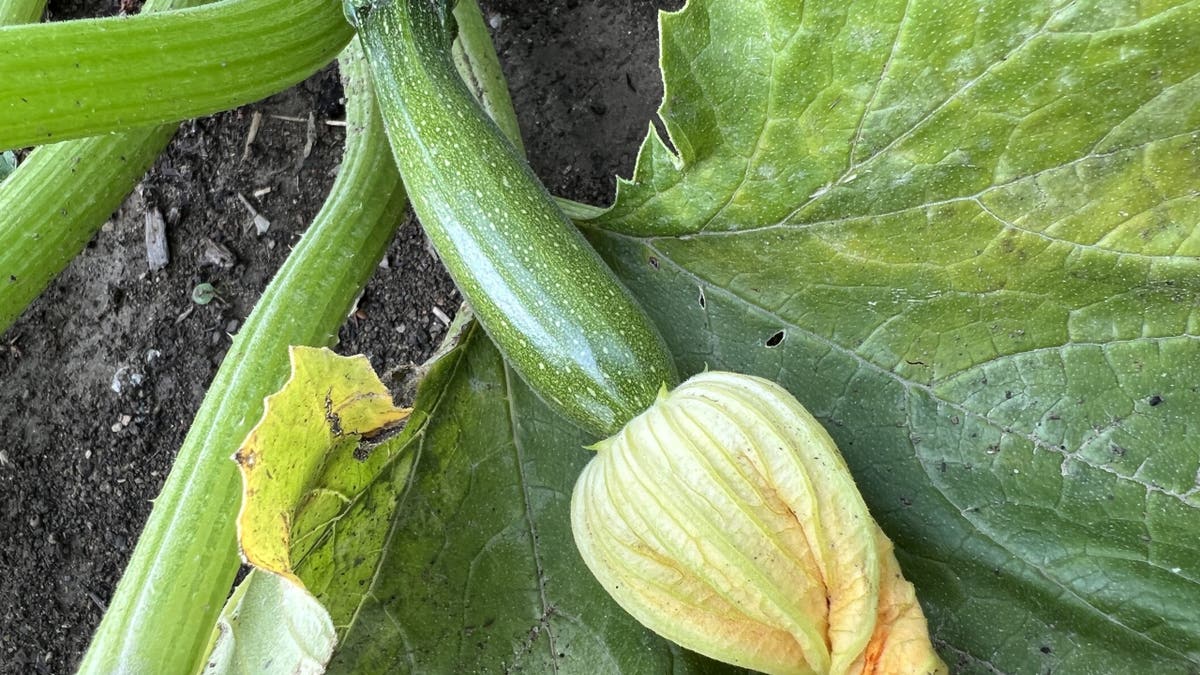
311, 456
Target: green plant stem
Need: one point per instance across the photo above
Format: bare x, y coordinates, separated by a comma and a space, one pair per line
477, 64
14, 12
52, 205
57, 199
161, 616
83, 78
578, 210
479, 67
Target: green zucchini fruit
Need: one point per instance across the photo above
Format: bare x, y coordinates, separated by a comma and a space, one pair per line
557, 313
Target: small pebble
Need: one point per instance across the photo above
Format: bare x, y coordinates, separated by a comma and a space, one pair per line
216, 254
157, 255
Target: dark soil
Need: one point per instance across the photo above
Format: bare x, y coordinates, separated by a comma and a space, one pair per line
80, 462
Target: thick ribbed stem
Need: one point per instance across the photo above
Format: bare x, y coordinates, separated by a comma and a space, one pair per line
173, 589
73, 79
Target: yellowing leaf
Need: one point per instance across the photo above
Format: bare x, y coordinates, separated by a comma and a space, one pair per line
311, 456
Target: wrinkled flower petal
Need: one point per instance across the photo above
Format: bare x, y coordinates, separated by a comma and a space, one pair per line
725, 519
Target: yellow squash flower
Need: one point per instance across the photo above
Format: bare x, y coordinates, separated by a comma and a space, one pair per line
725, 519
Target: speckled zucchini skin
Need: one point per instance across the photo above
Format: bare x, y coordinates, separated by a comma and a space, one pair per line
557, 313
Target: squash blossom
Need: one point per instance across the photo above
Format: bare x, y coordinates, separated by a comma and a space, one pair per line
724, 519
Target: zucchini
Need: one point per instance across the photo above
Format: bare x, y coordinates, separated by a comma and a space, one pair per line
556, 312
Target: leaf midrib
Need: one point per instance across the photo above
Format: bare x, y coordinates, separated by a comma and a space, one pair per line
523, 481
417, 442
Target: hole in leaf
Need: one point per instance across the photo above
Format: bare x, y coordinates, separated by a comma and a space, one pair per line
654, 262
660, 127
776, 339
703, 301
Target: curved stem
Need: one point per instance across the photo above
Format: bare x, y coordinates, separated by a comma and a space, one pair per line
477, 64
161, 616
14, 12
82, 78
57, 199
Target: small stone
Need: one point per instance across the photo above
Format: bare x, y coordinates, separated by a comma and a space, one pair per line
215, 254
157, 255
125, 378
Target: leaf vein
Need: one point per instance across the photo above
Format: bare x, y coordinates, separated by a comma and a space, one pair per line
868, 108
523, 479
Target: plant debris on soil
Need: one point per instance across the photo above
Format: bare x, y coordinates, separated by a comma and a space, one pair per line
102, 375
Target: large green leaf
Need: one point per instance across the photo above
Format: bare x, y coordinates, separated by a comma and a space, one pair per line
965, 235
